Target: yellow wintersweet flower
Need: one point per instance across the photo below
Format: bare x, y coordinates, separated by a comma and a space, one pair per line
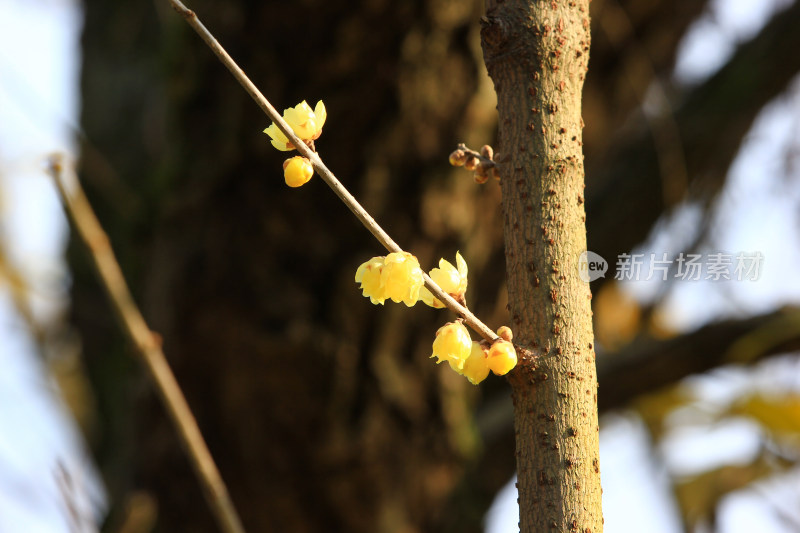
401, 278
452, 344
305, 122
476, 367
369, 276
452, 280
297, 171
502, 357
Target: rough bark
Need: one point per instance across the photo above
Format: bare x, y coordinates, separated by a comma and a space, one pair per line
537, 54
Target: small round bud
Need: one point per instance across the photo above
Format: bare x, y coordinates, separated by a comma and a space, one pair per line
458, 158
505, 333
487, 151
471, 162
480, 176
297, 171
485, 169
502, 357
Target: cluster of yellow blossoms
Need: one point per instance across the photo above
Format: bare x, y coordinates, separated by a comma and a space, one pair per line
471, 359
306, 124
398, 277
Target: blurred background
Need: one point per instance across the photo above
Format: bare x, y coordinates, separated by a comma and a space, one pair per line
323, 411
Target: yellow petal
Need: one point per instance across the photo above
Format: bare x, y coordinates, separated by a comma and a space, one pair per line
369, 276
301, 120
462, 272
446, 277
279, 140
401, 278
476, 367
427, 298
452, 344
320, 114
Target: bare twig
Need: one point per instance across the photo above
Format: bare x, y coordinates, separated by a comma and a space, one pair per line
146, 342
481, 162
339, 189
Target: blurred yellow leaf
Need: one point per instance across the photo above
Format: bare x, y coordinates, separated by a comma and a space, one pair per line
778, 414
699, 495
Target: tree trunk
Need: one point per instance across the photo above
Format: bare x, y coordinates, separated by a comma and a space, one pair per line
537, 54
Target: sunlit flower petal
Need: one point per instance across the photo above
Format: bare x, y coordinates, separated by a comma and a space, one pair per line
321, 114
452, 344
305, 123
279, 140
476, 367
369, 276
401, 278
452, 280
462, 272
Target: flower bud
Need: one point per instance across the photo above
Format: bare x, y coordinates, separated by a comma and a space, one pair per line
480, 174
457, 158
487, 151
452, 344
505, 333
470, 162
502, 357
297, 171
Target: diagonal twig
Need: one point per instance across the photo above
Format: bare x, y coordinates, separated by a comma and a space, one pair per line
146, 343
363, 216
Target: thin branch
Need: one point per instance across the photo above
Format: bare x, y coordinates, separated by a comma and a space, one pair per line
146, 342
344, 195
